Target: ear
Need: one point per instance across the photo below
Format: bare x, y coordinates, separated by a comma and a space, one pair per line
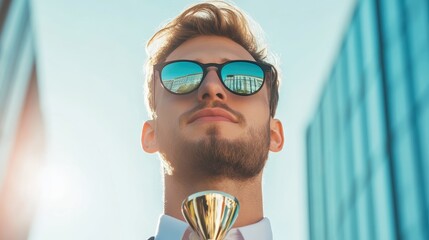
276, 135
148, 138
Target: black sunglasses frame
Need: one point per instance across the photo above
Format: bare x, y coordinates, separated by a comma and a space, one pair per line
264, 67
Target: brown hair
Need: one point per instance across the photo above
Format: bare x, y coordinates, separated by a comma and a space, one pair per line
216, 18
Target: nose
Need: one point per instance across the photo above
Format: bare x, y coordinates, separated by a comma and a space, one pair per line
211, 88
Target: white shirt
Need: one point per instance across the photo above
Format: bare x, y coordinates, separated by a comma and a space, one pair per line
170, 228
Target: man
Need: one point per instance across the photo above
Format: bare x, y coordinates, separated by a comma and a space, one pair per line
213, 97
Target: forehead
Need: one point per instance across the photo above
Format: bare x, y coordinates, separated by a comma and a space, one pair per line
213, 49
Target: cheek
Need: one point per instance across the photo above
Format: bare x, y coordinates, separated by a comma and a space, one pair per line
258, 115
166, 127
255, 108
169, 109
167, 118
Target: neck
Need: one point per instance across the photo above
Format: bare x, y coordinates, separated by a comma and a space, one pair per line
248, 193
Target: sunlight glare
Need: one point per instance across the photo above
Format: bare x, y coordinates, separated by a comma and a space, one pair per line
61, 189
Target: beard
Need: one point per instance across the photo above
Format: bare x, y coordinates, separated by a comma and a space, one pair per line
239, 159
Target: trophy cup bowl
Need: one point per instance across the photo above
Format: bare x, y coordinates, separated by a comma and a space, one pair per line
210, 214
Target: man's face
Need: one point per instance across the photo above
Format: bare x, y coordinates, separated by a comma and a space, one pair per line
211, 128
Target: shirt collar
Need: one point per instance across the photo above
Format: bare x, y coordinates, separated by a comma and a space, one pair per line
170, 228
259, 230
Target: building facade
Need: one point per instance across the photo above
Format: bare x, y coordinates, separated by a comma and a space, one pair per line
368, 141
21, 125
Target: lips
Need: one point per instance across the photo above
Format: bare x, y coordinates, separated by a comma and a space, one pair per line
213, 114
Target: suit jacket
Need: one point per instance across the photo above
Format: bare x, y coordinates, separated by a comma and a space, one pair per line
151, 238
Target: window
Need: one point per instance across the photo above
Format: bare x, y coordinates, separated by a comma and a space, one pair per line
355, 232
418, 26
391, 19
375, 118
339, 74
349, 157
348, 228
358, 144
369, 35
344, 167
421, 75
395, 63
331, 167
383, 201
408, 188
398, 106
397, 82
364, 219
317, 184
354, 61
424, 140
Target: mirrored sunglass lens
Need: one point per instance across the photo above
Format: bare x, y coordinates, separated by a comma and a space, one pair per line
242, 77
181, 77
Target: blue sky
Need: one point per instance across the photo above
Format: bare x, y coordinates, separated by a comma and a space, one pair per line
98, 183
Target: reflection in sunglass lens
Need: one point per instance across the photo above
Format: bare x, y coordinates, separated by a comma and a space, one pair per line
181, 77
242, 77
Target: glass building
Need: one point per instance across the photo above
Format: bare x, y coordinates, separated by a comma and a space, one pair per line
182, 84
243, 83
21, 125
368, 141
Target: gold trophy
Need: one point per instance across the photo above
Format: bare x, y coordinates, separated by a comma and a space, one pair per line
210, 214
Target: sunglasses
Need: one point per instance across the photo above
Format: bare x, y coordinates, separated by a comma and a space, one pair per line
239, 77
